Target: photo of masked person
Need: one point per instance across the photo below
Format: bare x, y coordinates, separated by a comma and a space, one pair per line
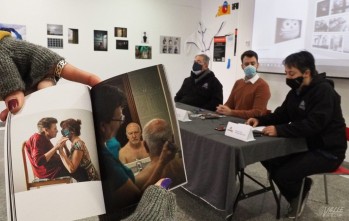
78, 156
119, 183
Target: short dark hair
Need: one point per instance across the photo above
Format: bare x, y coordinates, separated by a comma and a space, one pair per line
249, 54
106, 99
302, 60
72, 125
46, 123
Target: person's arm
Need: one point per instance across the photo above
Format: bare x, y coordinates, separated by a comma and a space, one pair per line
167, 154
155, 196
318, 113
73, 164
48, 155
179, 94
216, 96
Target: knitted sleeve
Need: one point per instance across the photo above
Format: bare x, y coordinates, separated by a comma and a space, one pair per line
157, 204
23, 65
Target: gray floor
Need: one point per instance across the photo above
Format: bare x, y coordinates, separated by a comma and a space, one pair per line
258, 208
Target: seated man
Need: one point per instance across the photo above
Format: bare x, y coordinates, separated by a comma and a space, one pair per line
134, 149
45, 161
202, 89
250, 95
155, 133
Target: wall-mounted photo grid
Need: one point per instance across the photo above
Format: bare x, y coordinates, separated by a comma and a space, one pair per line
331, 27
170, 45
56, 30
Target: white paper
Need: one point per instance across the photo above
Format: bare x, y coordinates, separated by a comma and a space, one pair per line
182, 115
239, 131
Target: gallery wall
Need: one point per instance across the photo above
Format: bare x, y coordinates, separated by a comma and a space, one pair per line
155, 17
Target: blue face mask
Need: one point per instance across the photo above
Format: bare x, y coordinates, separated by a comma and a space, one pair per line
113, 145
65, 132
250, 71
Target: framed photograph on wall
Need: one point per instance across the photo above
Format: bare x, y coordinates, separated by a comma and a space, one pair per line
54, 29
100, 40
120, 32
143, 52
122, 44
20, 31
170, 45
73, 36
55, 43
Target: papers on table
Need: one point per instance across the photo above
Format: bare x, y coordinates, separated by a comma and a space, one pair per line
182, 115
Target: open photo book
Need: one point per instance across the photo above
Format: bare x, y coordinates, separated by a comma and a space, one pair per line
68, 158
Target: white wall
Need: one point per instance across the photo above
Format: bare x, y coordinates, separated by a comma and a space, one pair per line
156, 17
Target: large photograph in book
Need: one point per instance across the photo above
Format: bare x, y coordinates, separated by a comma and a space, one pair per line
53, 156
138, 135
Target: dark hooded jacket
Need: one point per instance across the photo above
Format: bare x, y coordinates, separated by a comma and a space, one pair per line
203, 91
314, 113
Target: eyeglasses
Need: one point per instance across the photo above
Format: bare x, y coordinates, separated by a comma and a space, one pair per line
121, 120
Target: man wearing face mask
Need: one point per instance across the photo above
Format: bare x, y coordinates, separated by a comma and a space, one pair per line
312, 109
202, 89
250, 95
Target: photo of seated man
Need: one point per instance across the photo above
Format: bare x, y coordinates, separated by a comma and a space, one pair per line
42, 154
134, 149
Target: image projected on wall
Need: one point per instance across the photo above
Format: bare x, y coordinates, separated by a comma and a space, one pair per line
318, 26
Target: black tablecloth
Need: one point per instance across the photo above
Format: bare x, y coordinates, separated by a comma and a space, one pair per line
212, 159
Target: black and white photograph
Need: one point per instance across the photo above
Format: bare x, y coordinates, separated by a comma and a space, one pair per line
55, 43
170, 45
54, 29
287, 29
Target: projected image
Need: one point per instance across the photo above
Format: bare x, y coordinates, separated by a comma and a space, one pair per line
287, 29
319, 26
320, 41
339, 24
323, 8
336, 43
340, 6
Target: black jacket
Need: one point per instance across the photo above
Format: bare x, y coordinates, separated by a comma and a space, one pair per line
315, 113
203, 91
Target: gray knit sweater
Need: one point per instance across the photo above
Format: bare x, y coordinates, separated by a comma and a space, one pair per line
157, 204
23, 65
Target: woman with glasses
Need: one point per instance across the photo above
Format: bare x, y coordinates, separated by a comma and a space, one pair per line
119, 183
78, 156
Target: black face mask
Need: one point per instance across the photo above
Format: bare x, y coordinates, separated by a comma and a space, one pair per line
294, 83
197, 66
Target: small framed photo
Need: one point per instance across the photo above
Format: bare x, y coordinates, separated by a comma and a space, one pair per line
100, 40
143, 52
170, 45
122, 44
120, 32
55, 30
